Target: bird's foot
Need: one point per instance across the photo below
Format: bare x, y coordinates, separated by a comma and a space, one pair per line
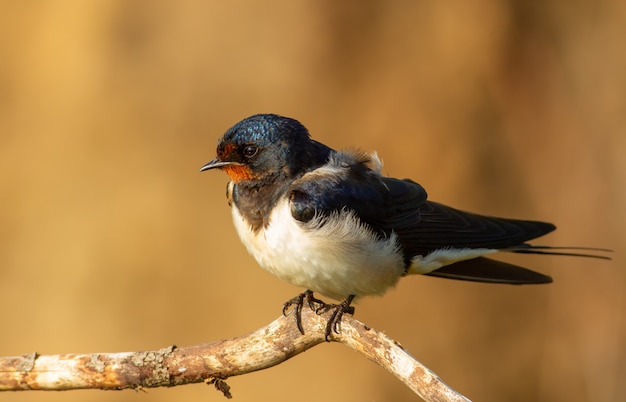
334, 322
298, 302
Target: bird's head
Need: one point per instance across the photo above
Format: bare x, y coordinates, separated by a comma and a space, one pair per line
266, 146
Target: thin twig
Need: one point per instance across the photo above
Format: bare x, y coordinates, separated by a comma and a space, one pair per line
216, 361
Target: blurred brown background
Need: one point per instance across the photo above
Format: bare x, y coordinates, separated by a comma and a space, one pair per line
111, 240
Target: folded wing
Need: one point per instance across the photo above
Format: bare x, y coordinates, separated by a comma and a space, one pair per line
423, 227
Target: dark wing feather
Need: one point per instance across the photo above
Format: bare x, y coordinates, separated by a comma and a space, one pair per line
424, 226
441, 226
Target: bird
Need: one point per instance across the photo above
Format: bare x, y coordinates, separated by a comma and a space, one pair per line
330, 222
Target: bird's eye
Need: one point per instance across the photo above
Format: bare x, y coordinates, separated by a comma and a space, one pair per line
250, 150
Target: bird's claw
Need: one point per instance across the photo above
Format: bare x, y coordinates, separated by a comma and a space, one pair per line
298, 302
319, 307
334, 322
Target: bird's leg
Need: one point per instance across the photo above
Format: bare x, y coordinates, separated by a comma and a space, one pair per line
334, 322
298, 301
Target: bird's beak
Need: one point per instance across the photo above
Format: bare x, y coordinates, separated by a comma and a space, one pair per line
216, 163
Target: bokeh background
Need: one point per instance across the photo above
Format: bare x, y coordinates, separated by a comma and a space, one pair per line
111, 240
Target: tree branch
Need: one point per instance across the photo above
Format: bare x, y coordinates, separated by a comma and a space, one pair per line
216, 361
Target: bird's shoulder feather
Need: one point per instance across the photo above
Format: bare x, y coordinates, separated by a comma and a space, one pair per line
350, 180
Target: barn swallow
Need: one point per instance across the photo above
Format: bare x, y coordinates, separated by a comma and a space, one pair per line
330, 222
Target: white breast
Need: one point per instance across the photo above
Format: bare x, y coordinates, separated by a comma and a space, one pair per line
337, 259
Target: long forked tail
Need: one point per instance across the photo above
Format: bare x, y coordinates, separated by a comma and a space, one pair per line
588, 252
493, 271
